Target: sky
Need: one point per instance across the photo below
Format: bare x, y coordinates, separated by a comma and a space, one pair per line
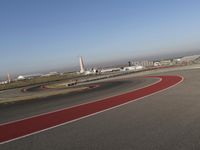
41, 35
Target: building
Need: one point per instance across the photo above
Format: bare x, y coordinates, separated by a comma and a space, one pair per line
189, 59
144, 63
156, 64
166, 62
23, 77
177, 61
51, 74
110, 70
129, 68
133, 68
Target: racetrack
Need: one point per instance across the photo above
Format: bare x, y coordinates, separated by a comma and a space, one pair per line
24, 109
166, 120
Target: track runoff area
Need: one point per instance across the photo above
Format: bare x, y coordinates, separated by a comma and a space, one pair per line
25, 127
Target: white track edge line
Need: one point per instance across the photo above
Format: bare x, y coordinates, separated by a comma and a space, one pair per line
93, 113
54, 111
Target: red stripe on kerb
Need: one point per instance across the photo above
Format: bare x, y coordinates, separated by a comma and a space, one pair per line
13, 130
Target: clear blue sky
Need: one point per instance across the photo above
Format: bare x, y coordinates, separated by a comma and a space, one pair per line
39, 35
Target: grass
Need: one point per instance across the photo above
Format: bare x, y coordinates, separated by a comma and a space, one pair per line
56, 86
39, 80
40, 95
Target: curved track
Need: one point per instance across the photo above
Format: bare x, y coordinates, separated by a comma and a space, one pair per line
24, 109
28, 126
163, 121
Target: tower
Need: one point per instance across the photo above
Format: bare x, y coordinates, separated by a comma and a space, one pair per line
8, 78
82, 70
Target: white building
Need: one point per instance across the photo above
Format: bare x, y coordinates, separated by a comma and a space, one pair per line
23, 77
110, 70
133, 68
166, 62
51, 74
157, 63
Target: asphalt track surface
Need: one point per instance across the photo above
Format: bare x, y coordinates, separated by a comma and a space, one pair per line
166, 120
24, 109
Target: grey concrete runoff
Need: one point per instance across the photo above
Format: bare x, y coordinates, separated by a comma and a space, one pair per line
169, 120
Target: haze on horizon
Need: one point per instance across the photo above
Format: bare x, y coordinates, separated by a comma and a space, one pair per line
44, 35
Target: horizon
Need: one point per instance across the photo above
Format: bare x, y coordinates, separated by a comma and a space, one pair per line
107, 64
43, 36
